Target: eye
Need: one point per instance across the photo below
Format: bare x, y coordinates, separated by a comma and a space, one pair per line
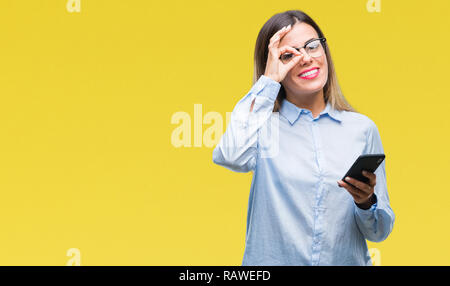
313, 45
286, 56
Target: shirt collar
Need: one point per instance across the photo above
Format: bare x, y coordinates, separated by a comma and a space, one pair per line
293, 112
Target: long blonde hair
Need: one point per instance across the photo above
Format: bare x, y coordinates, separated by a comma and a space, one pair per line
331, 91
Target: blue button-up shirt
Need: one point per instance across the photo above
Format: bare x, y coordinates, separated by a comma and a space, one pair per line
297, 213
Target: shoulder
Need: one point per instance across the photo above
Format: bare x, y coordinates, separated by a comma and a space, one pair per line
358, 119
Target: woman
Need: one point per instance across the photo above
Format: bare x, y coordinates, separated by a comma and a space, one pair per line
299, 211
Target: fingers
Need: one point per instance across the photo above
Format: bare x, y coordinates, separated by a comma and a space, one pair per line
359, 190
279, 34
360, 185
285, 49
367, 189
293, 61
295, 55
372, 177
275, 39
356, 194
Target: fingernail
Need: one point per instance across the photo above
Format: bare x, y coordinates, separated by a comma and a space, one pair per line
364, 172
347, 178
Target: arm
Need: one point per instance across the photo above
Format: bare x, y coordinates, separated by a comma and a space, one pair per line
238, 148
376, 223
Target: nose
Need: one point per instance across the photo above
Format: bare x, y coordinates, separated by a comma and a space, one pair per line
306, 57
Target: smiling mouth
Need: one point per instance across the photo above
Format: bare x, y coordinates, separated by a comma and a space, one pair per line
310, 73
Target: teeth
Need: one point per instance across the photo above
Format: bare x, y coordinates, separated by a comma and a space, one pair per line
309, 73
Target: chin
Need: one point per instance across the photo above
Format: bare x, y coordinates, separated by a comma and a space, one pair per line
311, 86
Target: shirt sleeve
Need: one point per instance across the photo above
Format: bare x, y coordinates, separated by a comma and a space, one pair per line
238, 148
376, 223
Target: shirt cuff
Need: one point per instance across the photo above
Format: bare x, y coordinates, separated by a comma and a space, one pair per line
369, 211
270, 87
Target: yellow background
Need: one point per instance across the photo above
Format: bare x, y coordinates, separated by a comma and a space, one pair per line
86, 100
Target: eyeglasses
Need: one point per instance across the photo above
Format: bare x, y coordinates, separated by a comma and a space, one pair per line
313, 47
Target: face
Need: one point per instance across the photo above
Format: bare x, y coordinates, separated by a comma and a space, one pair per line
293, 82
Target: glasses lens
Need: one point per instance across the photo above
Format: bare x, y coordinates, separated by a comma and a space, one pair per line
314, 49
286, 57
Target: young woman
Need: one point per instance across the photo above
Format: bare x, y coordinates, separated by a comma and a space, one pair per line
299, 211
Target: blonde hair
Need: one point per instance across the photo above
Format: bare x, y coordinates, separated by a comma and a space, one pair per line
331, 91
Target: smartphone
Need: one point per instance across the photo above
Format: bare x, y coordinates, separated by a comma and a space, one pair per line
369, 162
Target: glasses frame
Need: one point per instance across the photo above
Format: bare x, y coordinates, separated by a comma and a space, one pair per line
322, 41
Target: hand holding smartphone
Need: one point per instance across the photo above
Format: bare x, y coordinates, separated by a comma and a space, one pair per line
368, 162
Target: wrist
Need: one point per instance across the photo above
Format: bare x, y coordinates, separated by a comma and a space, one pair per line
368, 203
272, 77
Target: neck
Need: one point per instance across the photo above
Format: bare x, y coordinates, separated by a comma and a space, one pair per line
313, 102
